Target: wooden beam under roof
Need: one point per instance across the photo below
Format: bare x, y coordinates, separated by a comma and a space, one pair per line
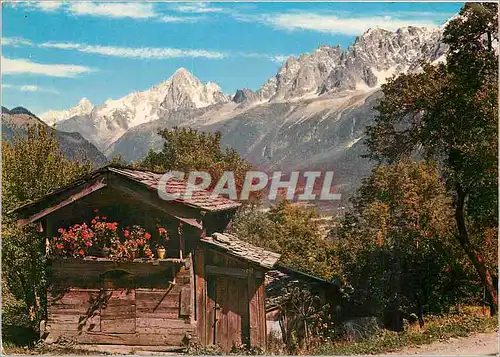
90, 188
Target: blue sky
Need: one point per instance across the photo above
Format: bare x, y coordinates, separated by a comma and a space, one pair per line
55, 53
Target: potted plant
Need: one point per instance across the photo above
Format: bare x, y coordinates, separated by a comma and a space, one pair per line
163, 237
161, 251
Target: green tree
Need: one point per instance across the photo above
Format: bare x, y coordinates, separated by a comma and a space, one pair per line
293, 231
33, 165
449, 114
394, 246
187, 150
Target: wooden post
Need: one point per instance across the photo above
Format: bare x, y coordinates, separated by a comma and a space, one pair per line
253, 309
181, 241
200, 286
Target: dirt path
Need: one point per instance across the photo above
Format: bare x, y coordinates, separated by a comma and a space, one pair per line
480, 344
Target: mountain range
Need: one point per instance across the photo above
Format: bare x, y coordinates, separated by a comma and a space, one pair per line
311, 115
15, 123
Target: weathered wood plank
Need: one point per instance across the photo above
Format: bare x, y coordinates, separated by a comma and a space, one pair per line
164, 314
118, 325
170, 338
253, 311
94, 186
157, 303
223, 271
233, 314
143, 322
262, 313
185, 301
200, 302
74, 322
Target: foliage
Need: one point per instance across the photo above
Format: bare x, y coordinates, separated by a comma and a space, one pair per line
395, 248
303, 318
438, 328
195, 349
293, 231
188, 150
33, 165
449, 113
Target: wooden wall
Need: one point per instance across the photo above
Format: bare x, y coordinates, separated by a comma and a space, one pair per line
132, 303
230, 301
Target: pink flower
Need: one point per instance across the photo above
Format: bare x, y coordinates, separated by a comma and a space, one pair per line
147, 235
126, 233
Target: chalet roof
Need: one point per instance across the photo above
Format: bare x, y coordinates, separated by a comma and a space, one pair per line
200, 198
241, 249
281, 278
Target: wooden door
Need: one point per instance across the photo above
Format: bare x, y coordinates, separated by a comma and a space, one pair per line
118, 312
228, 312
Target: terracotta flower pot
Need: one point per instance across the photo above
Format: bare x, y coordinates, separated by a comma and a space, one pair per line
161, 253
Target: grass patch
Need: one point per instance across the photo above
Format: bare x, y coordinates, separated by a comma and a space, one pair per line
437, 328
50, 350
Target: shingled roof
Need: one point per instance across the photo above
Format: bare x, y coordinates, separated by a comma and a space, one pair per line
241, 249
200, 198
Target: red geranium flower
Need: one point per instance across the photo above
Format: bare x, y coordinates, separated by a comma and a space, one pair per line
126, 233
147, 235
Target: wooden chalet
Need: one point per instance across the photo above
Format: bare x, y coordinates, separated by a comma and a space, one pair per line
209, 288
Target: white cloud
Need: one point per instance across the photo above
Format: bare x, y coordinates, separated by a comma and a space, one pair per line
335, 24
29, 88
273, 58
113, 10
142, 52
198, 8
131, 10
279, 58
179, 19
24, 66
48, 6
16, 42
131, 52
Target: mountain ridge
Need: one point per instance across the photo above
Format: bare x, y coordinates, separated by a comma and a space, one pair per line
16, 121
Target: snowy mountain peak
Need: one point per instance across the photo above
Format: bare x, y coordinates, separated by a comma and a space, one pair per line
185, 91
182, 75
107, 122
84, 107
85, 103
374, 56
182, 72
